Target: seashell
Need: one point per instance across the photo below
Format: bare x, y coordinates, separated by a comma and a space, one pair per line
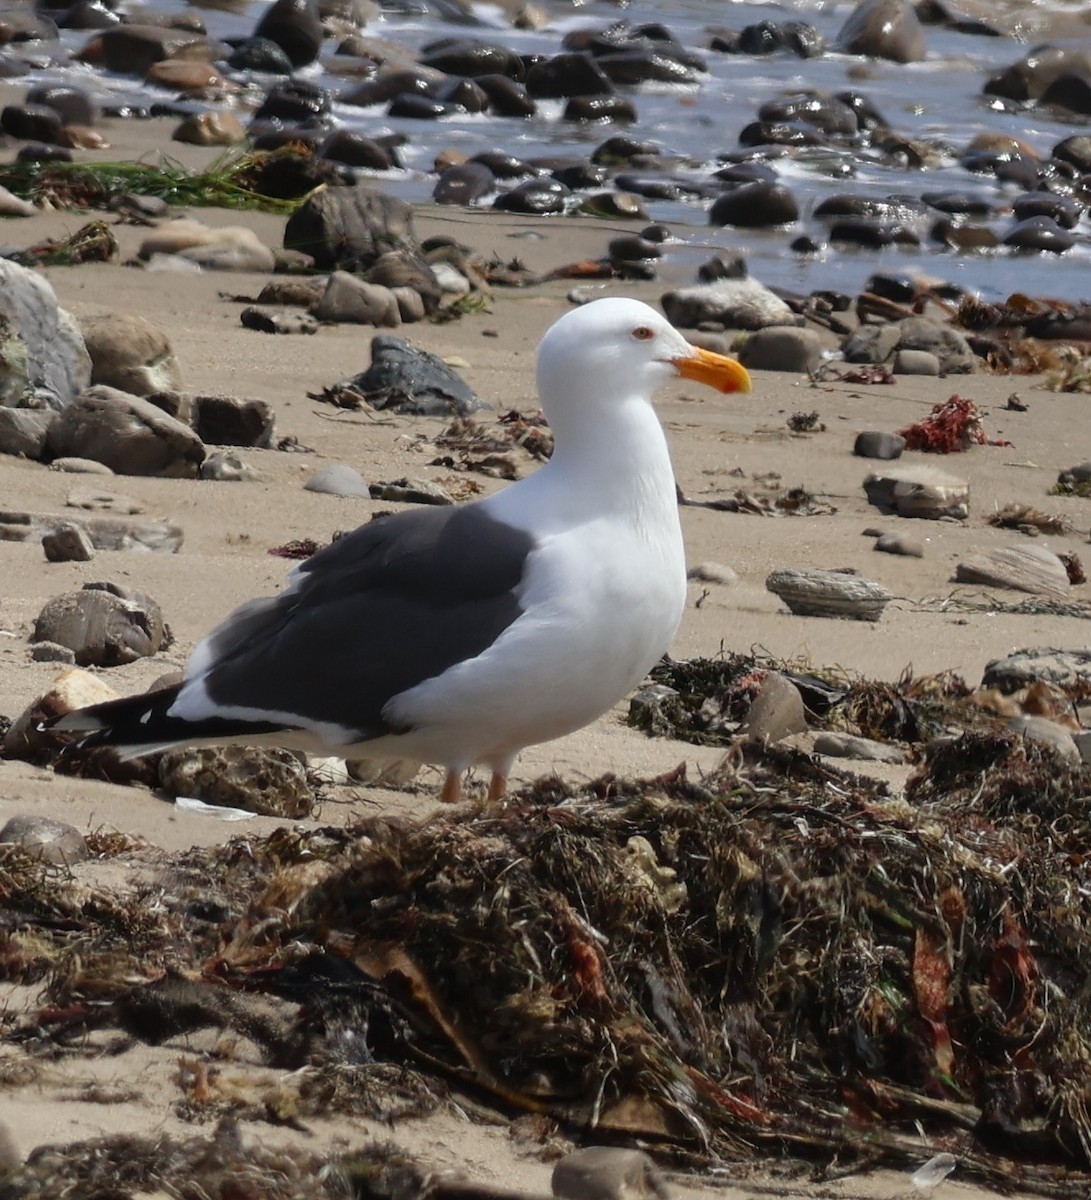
820, 593
1030, 568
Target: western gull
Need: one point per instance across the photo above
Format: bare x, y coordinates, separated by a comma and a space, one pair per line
458, 636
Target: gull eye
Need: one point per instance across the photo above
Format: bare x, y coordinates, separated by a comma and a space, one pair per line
643, 334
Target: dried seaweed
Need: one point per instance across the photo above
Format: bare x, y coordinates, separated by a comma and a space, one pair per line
951, 426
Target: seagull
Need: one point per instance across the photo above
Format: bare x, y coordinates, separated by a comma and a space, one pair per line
458, 636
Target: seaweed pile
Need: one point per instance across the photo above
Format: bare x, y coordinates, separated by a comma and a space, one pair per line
781, 959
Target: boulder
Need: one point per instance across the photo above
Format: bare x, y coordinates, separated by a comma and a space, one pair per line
128, 352
883, 29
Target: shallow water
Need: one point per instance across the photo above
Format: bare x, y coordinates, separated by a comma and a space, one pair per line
940, 99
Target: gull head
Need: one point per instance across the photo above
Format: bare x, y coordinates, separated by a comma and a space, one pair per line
617, 350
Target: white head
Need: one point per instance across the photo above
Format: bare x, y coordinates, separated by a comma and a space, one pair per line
614, 351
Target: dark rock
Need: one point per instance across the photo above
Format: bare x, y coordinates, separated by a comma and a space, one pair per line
960, 202
37, 152
536, 197
620, 150
782, 133
410, 380
630, 68
69, 542
131, 49
507, 97
31, 123
748, 172
1031, 77
823, 111
782, 348
720, 266
883, 29
262, 55
599, 108
294, 101
871, 234
131, 354
651, 187
349, 227
125, 433
87, 14
230, 421
802, 39
73, 105
45, 840
463, 184
270, 782
421, 108
505, 166
631, 248
1064, 210
876, 444
104, 625
575, 175
1040, 233
471, 58
25, 25
1075, 150
386, 87
755, 205
296, 27
566, 75
355, 150
760, 38
465, 93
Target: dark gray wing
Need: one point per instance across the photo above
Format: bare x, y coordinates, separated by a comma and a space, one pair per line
388, 606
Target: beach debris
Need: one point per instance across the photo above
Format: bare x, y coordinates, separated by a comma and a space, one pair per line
410, 491
272, 782
268, 320
1074, 481
607, 1173
126, 433
106, 533
919, 491
103, 624
1028, 519
297, 549
43, 360
131, 354
952, 426
929, 1175
874, 443
338, 479
45, 839
221, 420
68, 542
822, 593
1023, 568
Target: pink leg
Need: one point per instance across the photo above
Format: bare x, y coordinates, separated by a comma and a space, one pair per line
452, 788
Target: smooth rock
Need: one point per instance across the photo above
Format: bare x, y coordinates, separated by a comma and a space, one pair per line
73, 464
782, 348
919, 491
23, 431
948, 345
71, 690
106, 533
1022, 568
44, 839
227, 248
776, 713
209, 128
272, 782
844, 745
755, 205
900, 543
916, 362
129, 435
69, 542
733, 303
296, 27
128, 352
883, 29
874, 443
607, 1173
225, 466
351, 300
232, 421
1048, 733
338, 479
12, 205
132, 48
820, 593
350, 227
871, 344
57, 365
104, 625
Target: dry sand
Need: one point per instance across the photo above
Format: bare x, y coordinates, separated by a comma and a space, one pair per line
230, 526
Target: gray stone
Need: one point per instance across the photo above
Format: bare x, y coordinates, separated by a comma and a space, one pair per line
106, 533
919, 490
1083, 744
126, 433
131, 354
350, 227
73, 464
225, 466
411, 491
845, 745
1066, 668
874, 443
231, 421
776, 713
948, 345
353, 301
23, 431
822, 593
1048, 733
782, 348
871, 344
272, 782
607, 1173
69, 542
46, 840
1023, 568
104, 625
338, 479
916, 362
410, 304
883, 29
282, 321
733, 303
52, 652
58, 365
900, 543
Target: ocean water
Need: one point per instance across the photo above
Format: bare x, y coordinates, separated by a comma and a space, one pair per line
939, 100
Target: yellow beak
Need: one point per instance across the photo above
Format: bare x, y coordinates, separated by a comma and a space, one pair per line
713, 370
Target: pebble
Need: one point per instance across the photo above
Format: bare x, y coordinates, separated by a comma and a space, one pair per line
338, 479
916, 362
607, 1173
46, 840
873, 443
68, 543
844, 745
900, 543
776, 713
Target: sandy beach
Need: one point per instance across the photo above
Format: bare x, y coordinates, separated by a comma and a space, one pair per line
719, 445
